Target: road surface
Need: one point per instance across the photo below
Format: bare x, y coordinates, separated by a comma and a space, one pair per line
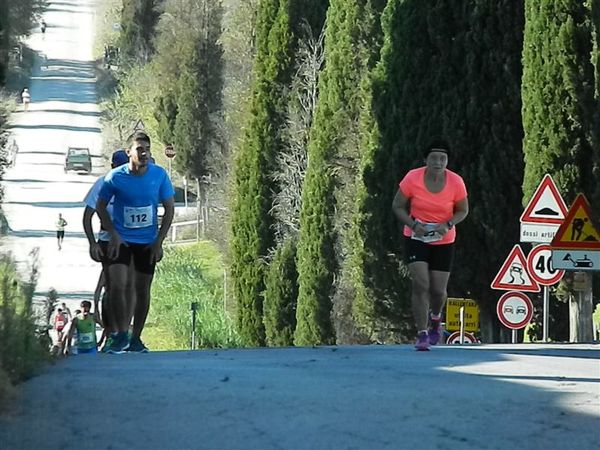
364, 397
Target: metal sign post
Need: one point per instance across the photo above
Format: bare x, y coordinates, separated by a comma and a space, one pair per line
545, 337
462, 325
193, 308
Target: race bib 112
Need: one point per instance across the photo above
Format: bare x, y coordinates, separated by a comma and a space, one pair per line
137, 217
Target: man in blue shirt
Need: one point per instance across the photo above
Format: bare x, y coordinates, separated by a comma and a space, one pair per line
136, 189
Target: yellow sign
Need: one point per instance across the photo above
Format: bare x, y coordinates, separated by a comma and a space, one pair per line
577, 230
453, 306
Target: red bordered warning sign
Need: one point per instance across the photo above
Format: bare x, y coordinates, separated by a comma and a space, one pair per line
546, 206
577, 230
513, 275
514, 310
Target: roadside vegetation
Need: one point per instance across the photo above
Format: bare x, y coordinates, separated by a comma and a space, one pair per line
187, 274
23, 348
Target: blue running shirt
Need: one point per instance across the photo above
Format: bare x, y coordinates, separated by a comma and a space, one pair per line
91, 199
136, 199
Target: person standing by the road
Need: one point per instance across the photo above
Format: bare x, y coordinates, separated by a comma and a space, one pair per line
98, 248
137, 189
61, 223
430, 201
26, 98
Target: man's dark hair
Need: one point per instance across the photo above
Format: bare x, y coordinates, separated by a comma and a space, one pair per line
86, 303
437, 145
138, 136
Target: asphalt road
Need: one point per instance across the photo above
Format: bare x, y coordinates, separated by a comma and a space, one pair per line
364, 397
63, 113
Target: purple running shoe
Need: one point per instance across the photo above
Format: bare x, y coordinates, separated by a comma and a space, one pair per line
422, 344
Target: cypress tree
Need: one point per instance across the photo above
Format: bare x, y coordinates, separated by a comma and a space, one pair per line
559, 106
197, 134
251, 221
280, 296
332, 149
138, 22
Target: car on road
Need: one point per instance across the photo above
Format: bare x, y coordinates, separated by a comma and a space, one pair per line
78, 159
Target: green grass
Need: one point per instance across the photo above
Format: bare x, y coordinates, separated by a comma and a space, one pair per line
187, 274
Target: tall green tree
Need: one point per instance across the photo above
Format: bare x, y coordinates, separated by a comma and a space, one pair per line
251, 221
279, 23
559, 105
16, 21
281, 292
454, 67
138, 24
333, 151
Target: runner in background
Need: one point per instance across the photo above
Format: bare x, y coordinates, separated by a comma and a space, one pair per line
84, 324
61, 223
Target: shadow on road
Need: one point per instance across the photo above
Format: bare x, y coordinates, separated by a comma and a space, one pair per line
49, 204
57, 127
25, 180
70, 111
43, 233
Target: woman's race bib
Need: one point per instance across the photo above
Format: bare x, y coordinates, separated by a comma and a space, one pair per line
137, 217
430, 235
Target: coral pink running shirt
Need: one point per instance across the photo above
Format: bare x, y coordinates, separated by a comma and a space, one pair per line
428, 207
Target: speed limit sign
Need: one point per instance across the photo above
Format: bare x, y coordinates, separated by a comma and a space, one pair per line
539, 264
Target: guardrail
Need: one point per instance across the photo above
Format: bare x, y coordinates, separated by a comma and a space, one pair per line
176, 225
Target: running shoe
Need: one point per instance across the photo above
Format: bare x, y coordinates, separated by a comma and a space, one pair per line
107, 344
422, 344
136, 346
434, 331
119, 344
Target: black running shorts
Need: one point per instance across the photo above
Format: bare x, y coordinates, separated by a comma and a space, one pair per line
439, 257
139, 253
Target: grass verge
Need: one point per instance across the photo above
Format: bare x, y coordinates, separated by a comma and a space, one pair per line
193, 273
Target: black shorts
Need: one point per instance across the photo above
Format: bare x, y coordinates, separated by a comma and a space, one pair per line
139, 253
439, 257
60, 234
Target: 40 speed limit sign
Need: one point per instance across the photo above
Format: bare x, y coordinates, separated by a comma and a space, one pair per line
539, 264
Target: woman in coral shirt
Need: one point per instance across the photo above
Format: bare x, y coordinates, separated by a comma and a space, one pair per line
430, 201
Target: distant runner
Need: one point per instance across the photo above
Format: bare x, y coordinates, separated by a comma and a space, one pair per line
26, 98
137, 189
61, 223
85, 326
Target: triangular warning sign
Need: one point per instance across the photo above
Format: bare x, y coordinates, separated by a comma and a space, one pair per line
577, 230
139, 125
513, 275
546, 206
